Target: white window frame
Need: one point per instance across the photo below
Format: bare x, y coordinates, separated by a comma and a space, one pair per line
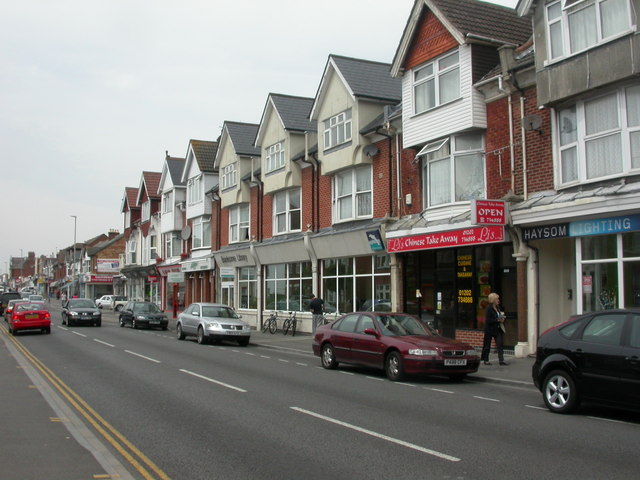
153, 247
229, 176
146, 211
275, 158
288, 214
560, 23
239, 221
167, 202
173, 240
201, 237
433, 73
131, 249
448, 150
355, 196
337, 129
578, 145
195, 190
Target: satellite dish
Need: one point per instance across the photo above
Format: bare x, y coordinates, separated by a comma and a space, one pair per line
370, 150
185, 233
532, 122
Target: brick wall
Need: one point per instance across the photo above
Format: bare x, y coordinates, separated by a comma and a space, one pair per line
431, 39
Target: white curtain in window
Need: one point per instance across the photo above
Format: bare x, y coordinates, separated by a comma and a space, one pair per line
601, 114
469, 177
604, 156
582, 28
439, 178
569, 164
425, 94
615, 18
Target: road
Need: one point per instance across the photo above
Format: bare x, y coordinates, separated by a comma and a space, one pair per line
188, 411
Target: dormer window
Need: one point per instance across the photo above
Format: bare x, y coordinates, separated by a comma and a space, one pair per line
275, 157
436, 83
337, 129
229, 176
577, 25
146, 211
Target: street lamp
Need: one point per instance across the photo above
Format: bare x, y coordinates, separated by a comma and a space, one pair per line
73, 271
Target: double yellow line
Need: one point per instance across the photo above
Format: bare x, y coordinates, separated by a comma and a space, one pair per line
139, 461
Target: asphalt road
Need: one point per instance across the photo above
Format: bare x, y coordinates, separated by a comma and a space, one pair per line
229, 412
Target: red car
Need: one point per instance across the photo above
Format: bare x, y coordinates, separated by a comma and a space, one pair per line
396, 342
30, 316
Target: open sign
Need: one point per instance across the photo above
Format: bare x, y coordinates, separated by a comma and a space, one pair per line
488, 212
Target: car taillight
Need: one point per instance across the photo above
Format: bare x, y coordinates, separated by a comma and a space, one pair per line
14, 316
47, 315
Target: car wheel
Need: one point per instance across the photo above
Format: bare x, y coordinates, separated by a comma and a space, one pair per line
179, 333
559, 392
134, 325
243, 342
69, 322
47, 330
201, 337
393, 366
328, 357
121, 322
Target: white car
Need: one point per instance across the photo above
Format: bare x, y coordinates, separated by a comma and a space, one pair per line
104, 301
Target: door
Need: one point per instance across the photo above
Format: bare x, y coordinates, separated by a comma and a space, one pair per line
366, 349
190, 320
342, 337
630, 377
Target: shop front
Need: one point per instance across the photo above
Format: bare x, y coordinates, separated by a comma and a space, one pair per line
96, 285
199, 279
171, 291
448, 275
142, 283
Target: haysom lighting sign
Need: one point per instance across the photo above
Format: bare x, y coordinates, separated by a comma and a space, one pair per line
601, 226
453, 238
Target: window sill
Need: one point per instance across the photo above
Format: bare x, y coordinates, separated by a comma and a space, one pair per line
436, 108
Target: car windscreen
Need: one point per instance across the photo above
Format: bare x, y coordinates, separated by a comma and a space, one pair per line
222, 312
145, 308
81, 304
401, 325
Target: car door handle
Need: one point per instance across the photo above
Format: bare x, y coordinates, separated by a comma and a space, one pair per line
633, 359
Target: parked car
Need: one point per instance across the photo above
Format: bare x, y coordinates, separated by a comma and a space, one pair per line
143, 315
30, 316
104, 301
10, 306
81, 311
212, 322
396, 342
5, 297
118, 301
592, 358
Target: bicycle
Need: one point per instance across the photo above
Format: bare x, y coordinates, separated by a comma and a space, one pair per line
290, 324
270, 323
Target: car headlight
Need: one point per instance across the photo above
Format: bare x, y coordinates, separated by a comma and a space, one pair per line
423, 353
471, 353
213, 326
140, 317
246, 328
74, 314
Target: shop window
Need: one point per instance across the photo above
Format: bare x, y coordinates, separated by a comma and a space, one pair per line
288, 287
248, 288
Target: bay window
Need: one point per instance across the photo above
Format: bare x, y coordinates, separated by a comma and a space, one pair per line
146, 210
167, 202
436, 83
599, 137
201, 233
453, 169
352, 194
173, 244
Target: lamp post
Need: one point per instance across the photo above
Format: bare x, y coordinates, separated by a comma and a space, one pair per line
73, 271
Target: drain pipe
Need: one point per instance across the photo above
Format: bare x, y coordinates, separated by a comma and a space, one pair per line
511, 149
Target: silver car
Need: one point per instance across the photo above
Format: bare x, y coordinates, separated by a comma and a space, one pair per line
212, 322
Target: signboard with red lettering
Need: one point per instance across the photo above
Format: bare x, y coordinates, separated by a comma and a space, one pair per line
101, 278
452, 238
488, 212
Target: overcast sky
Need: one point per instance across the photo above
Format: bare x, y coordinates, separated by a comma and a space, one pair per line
94, 92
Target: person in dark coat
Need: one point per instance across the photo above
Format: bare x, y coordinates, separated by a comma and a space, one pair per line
493, 329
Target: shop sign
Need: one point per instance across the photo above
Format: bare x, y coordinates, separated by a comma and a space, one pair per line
227, 273
165, 270
107, 265
152, 279
375, 240
545, 232
175, 277
587, 284
604, 226
453, 238
488, 212
101, 279
197, 265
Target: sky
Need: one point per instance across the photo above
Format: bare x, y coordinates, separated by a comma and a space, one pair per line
92, 93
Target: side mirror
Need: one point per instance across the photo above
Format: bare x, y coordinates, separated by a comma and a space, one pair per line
196, 314
371, 331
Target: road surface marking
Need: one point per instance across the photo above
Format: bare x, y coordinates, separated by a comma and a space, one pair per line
213, 381
535, 407
439, 390
376, 378
413, 446
405, 384
79, 334
487, 399
103, 343
142, 356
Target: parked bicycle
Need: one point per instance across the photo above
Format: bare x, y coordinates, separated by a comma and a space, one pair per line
270, 323
290, 324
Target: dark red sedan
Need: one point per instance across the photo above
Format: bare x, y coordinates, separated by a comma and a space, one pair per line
30, 316
396, 342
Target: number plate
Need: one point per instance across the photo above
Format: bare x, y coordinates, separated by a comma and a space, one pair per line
33, 316
455, 362
234, 332
154, 322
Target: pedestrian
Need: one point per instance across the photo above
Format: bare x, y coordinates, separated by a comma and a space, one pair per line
316, 305
493, 329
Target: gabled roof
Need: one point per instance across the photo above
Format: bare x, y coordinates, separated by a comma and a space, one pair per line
243, 137
130, 198
149, 182
101, 246
205, 154
175, 166
363, 79
468, 21
292, 111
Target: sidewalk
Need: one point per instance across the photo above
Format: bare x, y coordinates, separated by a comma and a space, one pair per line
518, 372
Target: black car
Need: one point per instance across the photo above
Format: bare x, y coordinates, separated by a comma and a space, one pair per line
143, 314
5, 297
81, 311
592, 358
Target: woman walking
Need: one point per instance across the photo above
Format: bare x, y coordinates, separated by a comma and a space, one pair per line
493, 325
